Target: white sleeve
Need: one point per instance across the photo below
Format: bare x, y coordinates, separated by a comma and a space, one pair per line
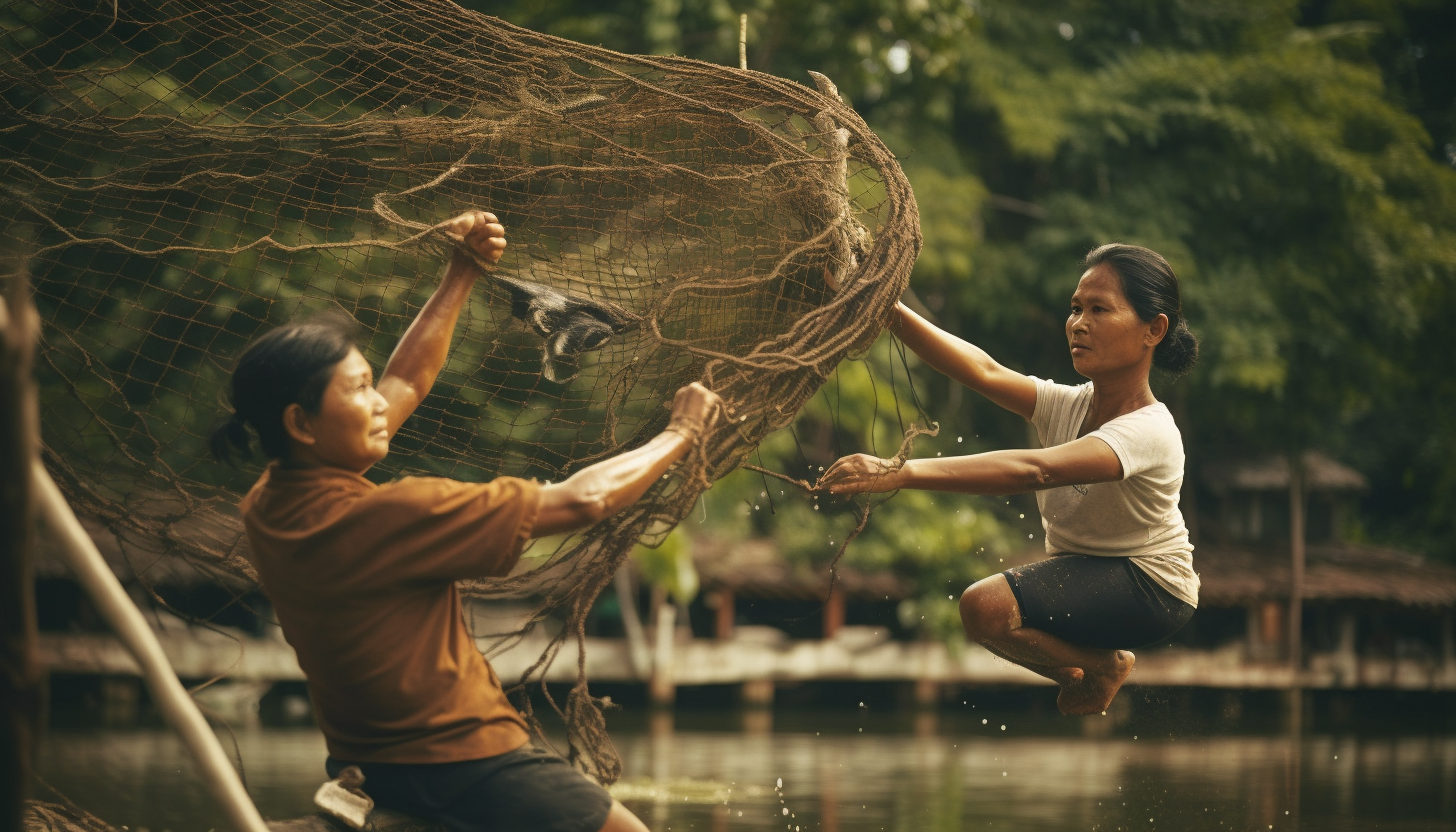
1144, 441
1052, 401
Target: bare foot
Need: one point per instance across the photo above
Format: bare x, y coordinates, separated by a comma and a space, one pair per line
1094, 692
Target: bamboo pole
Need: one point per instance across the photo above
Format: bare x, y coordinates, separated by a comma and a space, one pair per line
743, 41
119, 611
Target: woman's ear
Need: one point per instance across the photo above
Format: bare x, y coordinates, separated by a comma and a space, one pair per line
1157, 330
295, 422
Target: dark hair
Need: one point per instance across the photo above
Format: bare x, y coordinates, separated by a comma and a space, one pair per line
289, 365
1152, 289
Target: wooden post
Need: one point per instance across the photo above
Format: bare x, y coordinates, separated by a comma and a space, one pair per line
637, 651
834, 612
1347, 662
723, 615
1294, 703
1296, 572
757, 693
661, 689
20, 672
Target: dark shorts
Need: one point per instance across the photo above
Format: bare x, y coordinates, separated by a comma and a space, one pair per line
1107, 603
526, 790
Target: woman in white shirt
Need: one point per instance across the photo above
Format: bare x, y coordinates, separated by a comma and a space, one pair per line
1107, 479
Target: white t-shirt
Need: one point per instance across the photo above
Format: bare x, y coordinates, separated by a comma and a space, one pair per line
1136, 517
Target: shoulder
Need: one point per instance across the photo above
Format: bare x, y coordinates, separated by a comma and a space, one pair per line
1154, 422
1052, 397
1144, 439
1055, 406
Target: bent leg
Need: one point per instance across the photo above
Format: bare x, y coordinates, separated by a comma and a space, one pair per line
1089, 678
621, 819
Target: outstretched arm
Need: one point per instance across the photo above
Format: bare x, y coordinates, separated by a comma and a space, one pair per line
1081, 462
965, 362
601, 490
421, 353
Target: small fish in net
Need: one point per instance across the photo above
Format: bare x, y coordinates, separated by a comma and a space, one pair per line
179, 176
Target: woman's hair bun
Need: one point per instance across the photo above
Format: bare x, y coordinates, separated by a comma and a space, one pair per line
1178, 351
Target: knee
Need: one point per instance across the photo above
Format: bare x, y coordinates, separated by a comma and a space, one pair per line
983, 609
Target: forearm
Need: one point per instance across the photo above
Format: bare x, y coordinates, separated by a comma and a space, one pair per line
995, 472
421, 353
613, 484
959, 359
601, 490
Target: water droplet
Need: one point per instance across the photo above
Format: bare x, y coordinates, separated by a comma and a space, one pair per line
786, 811
958, 438
1003, 727
983, 722
1022, 516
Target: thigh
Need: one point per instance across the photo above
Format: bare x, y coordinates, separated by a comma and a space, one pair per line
1099, 602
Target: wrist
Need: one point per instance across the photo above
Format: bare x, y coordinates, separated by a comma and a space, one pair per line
897, 318
687, 431
902, 476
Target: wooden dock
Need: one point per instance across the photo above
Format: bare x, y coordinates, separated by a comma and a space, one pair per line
759, 656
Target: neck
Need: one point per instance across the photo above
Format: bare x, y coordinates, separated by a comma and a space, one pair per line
1120, 392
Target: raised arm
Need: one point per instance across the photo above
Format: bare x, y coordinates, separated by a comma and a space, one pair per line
965, 362
601, 490
1081, 462
421, 353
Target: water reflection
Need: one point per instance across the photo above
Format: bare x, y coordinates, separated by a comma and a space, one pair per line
962, 776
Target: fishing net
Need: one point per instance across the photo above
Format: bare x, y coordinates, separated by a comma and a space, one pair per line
180, 176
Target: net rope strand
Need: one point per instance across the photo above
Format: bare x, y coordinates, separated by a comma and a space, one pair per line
186, 175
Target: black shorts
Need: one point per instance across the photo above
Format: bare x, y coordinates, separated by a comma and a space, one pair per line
1102, 602
526, 790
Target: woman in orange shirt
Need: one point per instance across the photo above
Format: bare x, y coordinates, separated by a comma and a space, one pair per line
362, 576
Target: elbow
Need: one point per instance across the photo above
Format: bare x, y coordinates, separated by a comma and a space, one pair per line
1034, 476
588, 506
589, 502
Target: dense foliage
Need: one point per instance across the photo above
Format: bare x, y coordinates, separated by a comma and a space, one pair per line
1293, 161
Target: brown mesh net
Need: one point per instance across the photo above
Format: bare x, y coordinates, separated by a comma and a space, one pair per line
183, 175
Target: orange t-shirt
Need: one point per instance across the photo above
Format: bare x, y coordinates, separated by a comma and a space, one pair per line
362, 578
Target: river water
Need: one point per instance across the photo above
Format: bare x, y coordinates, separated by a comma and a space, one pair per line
863, 773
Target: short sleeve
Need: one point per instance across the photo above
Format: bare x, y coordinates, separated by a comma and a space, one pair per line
1052, 415
1145, 442
433, 528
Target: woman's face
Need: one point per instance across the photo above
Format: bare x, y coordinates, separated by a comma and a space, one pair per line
349, 430
1104, 331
